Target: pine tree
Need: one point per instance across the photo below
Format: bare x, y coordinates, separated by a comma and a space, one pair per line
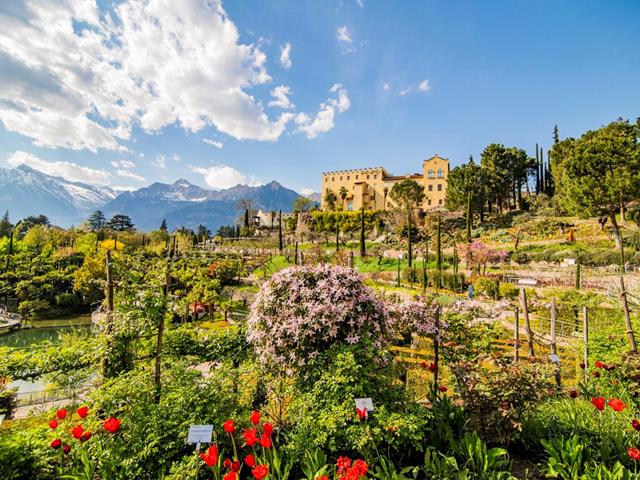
556, 137
163, 225
97, 221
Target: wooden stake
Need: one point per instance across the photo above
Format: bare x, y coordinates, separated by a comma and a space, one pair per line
516, 336
527, 324
436, 353
627, 317
585, 353
554, 347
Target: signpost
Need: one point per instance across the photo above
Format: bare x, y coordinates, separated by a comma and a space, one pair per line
199, 434
364, 404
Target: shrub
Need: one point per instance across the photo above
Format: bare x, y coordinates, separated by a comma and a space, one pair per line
67, 301
489, 287
302, 311
32, 308
508, 291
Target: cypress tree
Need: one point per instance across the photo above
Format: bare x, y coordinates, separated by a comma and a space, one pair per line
543, 178
556, 137
469, 219
280, 231
537, 171
363, 248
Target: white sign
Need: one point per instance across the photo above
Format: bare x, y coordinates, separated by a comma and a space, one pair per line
570, 261
364, 404
200, 434
554, 359
527, 281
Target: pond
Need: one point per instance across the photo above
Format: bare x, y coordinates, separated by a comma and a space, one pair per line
43, 331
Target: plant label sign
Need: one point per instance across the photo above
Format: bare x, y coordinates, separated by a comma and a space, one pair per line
364, 404
555, 359
200, 434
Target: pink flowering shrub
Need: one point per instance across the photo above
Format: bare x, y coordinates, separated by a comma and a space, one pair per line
413, 316
302, 311
478, 255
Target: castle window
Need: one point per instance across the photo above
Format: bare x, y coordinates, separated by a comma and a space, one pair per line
347, 177
440, 173
340, 178
367, 177
356, 177
430, 174
440, 202
431, 188
375, 177
439, 187
333, 179
429, 202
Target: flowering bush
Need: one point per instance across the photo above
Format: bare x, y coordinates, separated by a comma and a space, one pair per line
478, 255
413, 317
302, 311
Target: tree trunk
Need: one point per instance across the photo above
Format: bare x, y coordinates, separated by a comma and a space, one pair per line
409, 237
618, 238
627, 317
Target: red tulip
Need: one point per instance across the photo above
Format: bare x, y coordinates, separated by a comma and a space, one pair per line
442, 388
53, 424
229, 426
254, 418
230, 476
250, 436
573, 393
267, 429
599, 364
250, 461
323, 477
362, 413
83, 411
77, 432
265, 441
617, 404
112, 424
61, 413
56, 444
260, 472
227, 463
596, 374
86, 436
635, 424
599, 402
342, 464
235, 466
423, 364
634, 453
582, 365
210, 457
66, 449
432, 367
361, 467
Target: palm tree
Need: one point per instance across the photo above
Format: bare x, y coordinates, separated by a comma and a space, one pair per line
343, 195
330, 199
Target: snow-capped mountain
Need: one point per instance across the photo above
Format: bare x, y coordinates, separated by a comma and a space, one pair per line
25, 191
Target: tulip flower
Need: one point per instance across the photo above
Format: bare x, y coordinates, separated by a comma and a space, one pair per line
596, 374
250, 461
229, 426
342, 464
582, 365
86, 436
617, 405
573, 393
77, 432
267, 429
56, 444
254, 418
599, 402
227, 463
442, 388
423, 364
323, 477
260, 472
635, 424
362, 413
361, 467
250, 436
210, 457
53, 424
61, 414
66, 449
235, 466
230, 476
112, 424
599, 364
83, 411
432, 367
265, 441
634, 453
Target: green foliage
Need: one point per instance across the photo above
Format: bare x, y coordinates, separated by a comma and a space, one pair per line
488, 287
508, 291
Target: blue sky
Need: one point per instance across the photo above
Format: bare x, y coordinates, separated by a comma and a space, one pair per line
123, 95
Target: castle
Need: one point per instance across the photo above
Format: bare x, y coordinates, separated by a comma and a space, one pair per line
369, 188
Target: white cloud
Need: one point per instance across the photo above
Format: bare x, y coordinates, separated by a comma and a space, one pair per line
324, 120
424, 85
126, 164
386, 87
224, 176
344, 35
75, 77
176, 157
285, 55
67, 170
214, 143
160, 162
306, 191
406, 91
360, 3
129, 174
281, 100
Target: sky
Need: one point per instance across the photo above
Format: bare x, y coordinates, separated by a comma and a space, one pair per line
127, 93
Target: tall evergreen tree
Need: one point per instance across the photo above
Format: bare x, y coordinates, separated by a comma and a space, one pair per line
6, 227
163, 225
97, 220
120, 223
556, 137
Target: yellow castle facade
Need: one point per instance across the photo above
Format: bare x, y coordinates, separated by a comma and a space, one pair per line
370, 187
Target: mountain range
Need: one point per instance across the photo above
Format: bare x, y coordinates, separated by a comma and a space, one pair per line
25, 191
